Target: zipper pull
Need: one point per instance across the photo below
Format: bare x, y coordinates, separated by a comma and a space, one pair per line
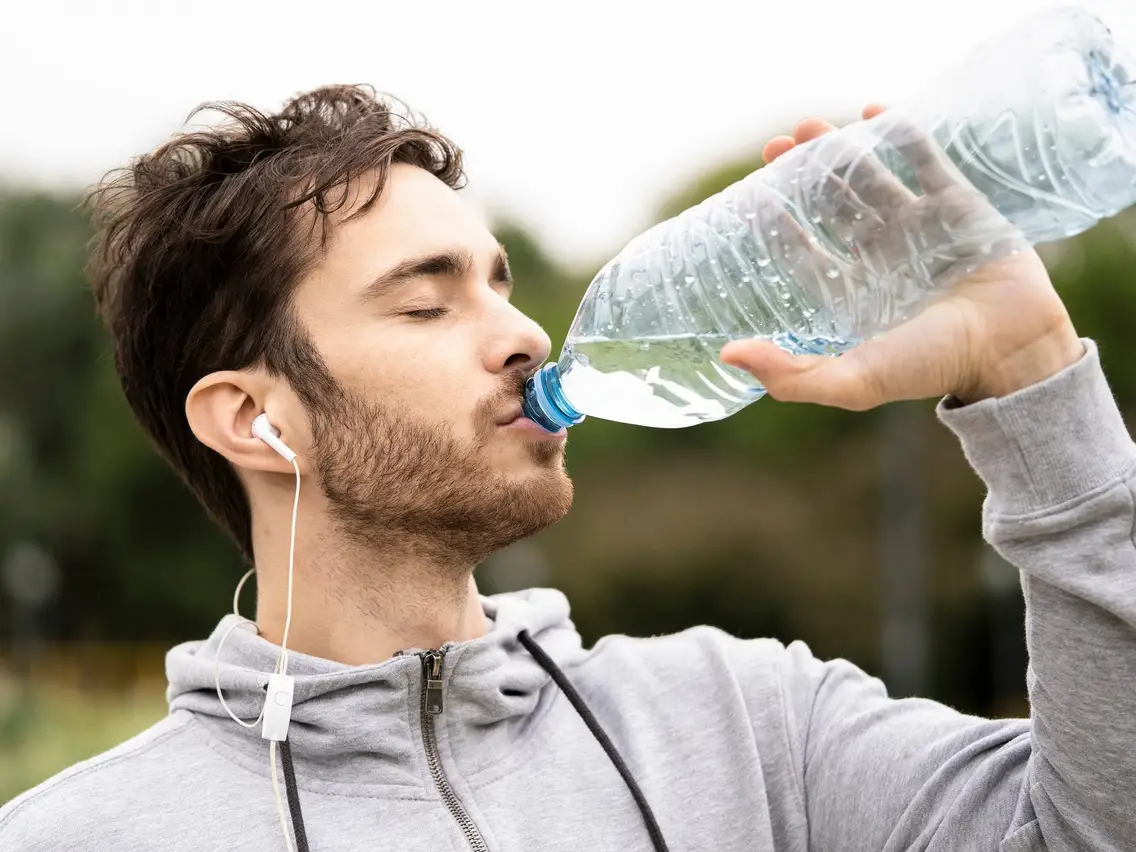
432, 674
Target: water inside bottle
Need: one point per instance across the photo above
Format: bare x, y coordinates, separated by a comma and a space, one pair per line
667, 382
826, 242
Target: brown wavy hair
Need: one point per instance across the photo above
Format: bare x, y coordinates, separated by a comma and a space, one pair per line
200, 244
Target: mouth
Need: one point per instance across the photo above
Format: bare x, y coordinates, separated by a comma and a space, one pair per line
515, 419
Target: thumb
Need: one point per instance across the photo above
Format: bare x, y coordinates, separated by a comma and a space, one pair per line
820, 379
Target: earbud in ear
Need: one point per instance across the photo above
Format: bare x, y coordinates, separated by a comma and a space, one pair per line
264, 430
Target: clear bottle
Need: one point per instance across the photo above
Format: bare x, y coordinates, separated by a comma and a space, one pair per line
1032, 138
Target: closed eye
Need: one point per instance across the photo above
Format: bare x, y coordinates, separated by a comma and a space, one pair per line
427, 313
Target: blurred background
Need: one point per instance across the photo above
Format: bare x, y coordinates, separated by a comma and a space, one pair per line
583, 124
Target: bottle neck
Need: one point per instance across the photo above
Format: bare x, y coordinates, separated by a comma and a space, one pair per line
545, 402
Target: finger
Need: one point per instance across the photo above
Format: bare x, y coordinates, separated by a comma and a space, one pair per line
794, 269
820, 379
872, 110
850, 224
921, 358
933, 169
777, 146
875, 184
791, 247
810, 129
853, 161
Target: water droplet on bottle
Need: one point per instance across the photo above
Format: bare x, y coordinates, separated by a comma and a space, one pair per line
816, 218
751, 215
858, 216
763, 262
832, 272
785, 297
643, 347
773, 232
689, 279
1041, 177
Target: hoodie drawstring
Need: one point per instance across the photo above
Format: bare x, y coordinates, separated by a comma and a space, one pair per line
599, 733
298, 830
561, 680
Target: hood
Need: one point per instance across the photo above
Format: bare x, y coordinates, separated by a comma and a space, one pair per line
360, 724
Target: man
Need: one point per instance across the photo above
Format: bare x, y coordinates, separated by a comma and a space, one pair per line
317, 266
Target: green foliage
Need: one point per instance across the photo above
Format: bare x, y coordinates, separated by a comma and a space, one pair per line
137, 556
710, 183
1094, 274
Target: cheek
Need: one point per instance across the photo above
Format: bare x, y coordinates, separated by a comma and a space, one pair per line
430, 377
442, 387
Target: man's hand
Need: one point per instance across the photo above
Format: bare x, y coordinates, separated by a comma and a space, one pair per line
996, 331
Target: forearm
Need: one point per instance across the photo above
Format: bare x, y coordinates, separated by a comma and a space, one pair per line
1060, 468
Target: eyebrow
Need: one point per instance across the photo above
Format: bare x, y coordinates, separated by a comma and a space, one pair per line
454, 264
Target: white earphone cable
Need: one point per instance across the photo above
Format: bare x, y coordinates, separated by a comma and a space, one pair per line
282, 662
217, 657
281, 666
217, 675
237, 593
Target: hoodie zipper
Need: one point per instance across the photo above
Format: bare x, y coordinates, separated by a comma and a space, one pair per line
432, 706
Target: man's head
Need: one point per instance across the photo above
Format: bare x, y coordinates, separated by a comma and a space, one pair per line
318, 264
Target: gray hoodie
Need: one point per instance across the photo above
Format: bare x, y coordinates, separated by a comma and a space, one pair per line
736, 745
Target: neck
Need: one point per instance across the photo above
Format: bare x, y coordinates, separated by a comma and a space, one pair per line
356, 605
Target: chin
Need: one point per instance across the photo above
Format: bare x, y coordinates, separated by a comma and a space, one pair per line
547, 483
547, 493
534, 460
520, 507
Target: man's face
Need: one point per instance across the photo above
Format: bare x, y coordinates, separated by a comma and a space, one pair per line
410, 311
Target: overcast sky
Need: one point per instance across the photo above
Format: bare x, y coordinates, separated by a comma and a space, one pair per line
576, 117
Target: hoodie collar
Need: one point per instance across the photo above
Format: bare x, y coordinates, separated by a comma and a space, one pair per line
361, 724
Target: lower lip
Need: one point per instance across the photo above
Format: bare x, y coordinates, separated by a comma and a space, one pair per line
534, 429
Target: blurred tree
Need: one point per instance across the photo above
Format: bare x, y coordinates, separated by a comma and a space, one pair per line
138, 558
707, 184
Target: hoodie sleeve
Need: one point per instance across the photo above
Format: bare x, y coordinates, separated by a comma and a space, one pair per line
884, 774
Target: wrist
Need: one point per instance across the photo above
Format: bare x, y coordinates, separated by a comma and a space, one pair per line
1025, 367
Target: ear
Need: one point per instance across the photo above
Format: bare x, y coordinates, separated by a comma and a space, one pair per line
220, 409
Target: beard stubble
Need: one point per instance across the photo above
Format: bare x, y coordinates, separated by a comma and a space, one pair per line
396, 482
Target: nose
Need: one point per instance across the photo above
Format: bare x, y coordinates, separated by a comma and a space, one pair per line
517, 344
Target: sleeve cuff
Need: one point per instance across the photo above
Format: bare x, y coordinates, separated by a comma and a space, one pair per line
1046, 444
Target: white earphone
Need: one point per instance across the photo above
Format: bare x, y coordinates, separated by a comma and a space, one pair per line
268, 433
276, 713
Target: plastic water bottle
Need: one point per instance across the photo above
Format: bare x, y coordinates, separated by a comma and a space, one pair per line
1031, 139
